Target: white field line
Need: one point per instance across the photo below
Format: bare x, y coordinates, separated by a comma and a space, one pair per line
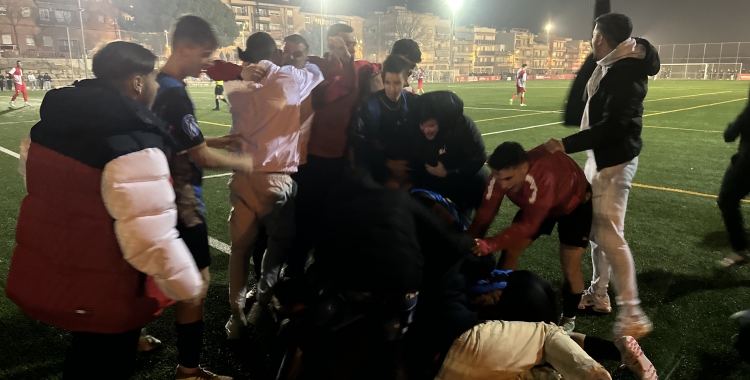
521, 129
221, 246
510, 109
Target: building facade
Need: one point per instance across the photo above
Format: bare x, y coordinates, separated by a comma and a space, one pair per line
281, 18
52, 28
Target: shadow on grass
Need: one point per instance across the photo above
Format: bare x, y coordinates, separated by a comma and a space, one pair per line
717, 240
9, 110
31, 349
678, 285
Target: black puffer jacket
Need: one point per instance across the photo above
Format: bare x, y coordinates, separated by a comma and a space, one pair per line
615, 110
740, 127
458, 144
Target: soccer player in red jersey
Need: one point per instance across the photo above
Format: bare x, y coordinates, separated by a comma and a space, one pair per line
550, 189
520, 86
17, 75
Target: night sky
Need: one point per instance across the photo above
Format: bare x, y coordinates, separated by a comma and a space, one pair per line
661, 21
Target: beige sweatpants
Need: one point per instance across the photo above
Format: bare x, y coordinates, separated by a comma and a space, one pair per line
259, 199
499, 350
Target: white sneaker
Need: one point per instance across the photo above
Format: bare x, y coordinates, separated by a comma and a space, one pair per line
234, 328
742, 316
523, 104
634, 359
567, 324
25, 104
637, 325
12, 104
600, 304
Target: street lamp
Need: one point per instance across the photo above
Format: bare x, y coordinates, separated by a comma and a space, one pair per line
454, 5
83, 40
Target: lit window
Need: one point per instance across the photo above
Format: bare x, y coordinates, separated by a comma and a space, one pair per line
30, 41
26, 12
7, 39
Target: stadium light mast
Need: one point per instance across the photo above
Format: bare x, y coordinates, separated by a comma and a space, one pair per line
548, 28
455, 5
323, 40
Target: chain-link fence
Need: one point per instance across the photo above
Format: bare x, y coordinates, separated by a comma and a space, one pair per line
724, 60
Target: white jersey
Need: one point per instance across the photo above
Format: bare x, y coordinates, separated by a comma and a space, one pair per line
521, 78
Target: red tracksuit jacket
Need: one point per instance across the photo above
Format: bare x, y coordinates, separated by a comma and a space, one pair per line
555, 186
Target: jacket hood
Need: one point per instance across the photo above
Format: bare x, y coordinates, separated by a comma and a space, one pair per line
444, 106
93, 108
649, 65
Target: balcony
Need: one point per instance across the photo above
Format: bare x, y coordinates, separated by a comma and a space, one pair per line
486, 53
485, 42
484, 64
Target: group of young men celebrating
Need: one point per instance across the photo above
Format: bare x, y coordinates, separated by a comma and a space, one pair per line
329, 155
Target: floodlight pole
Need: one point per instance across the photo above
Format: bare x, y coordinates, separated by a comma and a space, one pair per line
83, 40
323, 40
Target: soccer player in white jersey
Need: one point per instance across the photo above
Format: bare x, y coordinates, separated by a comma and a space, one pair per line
520, 85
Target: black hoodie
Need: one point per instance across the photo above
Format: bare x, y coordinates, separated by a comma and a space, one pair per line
740, 127
615, 110
458, 144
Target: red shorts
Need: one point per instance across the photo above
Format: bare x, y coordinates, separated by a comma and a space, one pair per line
20, 87
520, 89
420, 83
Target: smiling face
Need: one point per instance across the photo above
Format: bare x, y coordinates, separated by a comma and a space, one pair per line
430, 128
295, 54
194, 58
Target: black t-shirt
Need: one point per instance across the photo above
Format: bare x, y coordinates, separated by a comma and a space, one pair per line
174, 106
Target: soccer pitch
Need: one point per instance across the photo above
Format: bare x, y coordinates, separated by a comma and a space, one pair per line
673, 227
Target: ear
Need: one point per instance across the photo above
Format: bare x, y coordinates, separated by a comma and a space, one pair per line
137, 84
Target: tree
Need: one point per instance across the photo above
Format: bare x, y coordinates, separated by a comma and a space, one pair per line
313, 36
158, 16
16, 13
410, 26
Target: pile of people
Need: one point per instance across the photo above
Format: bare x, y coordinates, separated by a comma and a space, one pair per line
330, 157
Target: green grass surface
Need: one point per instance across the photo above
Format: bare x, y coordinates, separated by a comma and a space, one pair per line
675, 237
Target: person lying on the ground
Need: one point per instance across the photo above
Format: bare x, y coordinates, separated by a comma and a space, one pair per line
448, 150
525, 296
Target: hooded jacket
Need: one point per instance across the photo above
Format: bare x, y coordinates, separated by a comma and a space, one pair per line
458, 143
97, 249
740, 127
615, 109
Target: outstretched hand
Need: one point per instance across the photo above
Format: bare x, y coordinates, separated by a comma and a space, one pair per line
337, 48
253, 73
554, 145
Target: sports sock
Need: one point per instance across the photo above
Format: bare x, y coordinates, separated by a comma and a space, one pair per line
224, 100
600, 349
570, 303
217, 103
189, 344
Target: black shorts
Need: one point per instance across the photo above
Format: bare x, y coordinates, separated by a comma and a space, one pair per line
572, 229
196, 239
219, 90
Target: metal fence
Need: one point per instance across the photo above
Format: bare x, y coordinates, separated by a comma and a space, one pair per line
725, 55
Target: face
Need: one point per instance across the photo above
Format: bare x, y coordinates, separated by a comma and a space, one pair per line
394, 85
194, 59
351, 42
511, 180
146, 87
295, 54
598, 43
18, 64
430, 128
